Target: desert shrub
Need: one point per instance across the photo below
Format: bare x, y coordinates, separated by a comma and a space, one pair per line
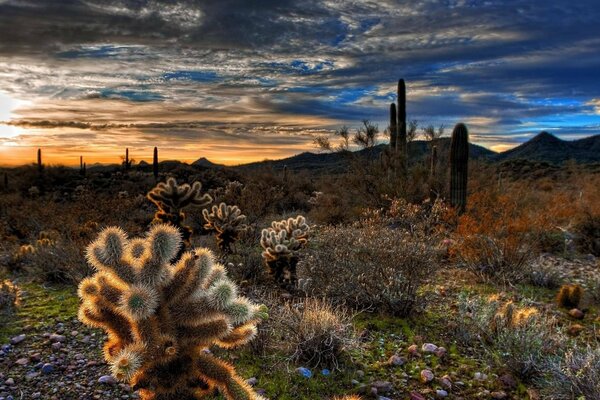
62, 262
587, 234
545, 276
576, 375
367, 265
494, 237
518, 338
569, 296
316, 333
9, 296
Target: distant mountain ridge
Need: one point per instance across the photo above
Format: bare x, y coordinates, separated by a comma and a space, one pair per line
547, 147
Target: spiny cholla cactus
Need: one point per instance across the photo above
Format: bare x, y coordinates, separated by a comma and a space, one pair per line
171, 199
281, 242
161, 318
228, 222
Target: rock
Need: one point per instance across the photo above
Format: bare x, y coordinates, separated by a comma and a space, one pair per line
416, 396
305, 372
576, 313
575, 329
47, 368
440, 352
325, 372
429, 348
507, 381
396, 360
56, 345
382, 387
479, 376
252, 381
107, 380
9, 382
17, 339
22, 361
426, 376
360, 373
499, 395
413, 350
441, 393
446, 382
56, 338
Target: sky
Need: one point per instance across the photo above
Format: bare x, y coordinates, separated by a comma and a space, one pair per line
240, 80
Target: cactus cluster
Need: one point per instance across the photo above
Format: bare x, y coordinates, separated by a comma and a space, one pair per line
228, 222
281, 242
569, 296
172, 199
162, 317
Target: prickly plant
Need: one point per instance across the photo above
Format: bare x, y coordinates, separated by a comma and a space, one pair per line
155, 163
9, 296
281, 243
171, 199
401, 121
393, 128
459, 166
39, 160
161, 318
569, 296
127, 162
228, 222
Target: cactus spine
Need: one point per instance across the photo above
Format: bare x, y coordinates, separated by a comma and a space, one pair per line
393, 128
162, 317
459, 166
155, 163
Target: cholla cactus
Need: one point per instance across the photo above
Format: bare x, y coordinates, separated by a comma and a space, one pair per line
161, 318
228, 222
9, 296
281, 242
171, 199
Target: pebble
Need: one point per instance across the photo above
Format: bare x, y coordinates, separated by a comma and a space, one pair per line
441, 393
426, 376
56, 338
252, 381
382, 387
9, 382
480, 376
22, 361
17, 339
396, 360
429, 348
305, 372
576, 313
107, 380
499, 395
47, 368
416, 396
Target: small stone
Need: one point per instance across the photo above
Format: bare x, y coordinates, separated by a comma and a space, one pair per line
396, 360
426, 376
507, 381
17, 339
382, 387
429, 348
575, 329
479, 376
47, 368
441, 393
22, 361
325, 372
360, 373
107, 380
440, 352
576, 313
446, 382
355, 382
305, 372
56, 345
499, 395
9, 382
252, 381
413, 350
416, 396
56, 338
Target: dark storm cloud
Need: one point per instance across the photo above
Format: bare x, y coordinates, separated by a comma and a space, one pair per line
505, 67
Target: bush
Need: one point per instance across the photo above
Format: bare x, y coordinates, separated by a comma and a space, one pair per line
518, 338
316, 333
587, 235
367, 265
9, 296
576, 375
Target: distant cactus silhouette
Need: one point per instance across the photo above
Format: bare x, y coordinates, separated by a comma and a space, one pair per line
171, 199
155, 163
401, 122
393, 127
281, 242
161, 318
459, 167
228, 222
127, 162
39, 161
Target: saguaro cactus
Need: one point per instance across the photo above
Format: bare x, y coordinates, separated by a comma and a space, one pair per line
281, 243
155, 163
393, 128
401, 123
228, 222
39, 160
171, 199
161, 318
127, 162
459, 166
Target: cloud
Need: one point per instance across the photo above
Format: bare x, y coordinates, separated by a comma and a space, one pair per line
174, 67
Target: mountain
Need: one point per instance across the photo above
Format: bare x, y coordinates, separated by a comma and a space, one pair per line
206, 163
337, 162
547, 147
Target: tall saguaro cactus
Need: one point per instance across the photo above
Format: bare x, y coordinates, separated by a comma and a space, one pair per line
127, 162
401, 121
459, 165
393, 128
39, 160
155, 163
